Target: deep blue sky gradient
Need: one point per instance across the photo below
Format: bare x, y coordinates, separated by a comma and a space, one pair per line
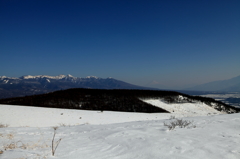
165, 44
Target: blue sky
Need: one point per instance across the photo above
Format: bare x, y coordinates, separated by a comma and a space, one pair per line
166, 44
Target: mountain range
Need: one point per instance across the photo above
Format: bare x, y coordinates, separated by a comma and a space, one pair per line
40, 84
230, 85
30, 85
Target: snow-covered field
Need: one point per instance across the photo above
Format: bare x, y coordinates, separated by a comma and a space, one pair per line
119, 135
22, 116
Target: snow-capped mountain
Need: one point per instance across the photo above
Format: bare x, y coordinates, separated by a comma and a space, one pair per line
30, 85
46, 76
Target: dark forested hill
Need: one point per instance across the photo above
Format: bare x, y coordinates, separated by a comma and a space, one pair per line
113, 100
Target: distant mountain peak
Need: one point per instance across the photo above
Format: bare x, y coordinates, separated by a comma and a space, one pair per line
69, 75
45, 76
92, 77
4, 77
61, 76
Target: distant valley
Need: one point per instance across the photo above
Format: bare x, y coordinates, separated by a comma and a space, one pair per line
230, 85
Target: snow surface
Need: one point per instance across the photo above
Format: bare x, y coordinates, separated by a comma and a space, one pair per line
92, 77
2, 77
185, 109
45, 76
116, 135
46, 117
5, 81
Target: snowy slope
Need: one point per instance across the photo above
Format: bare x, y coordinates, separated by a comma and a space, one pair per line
210, 137
185, 109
